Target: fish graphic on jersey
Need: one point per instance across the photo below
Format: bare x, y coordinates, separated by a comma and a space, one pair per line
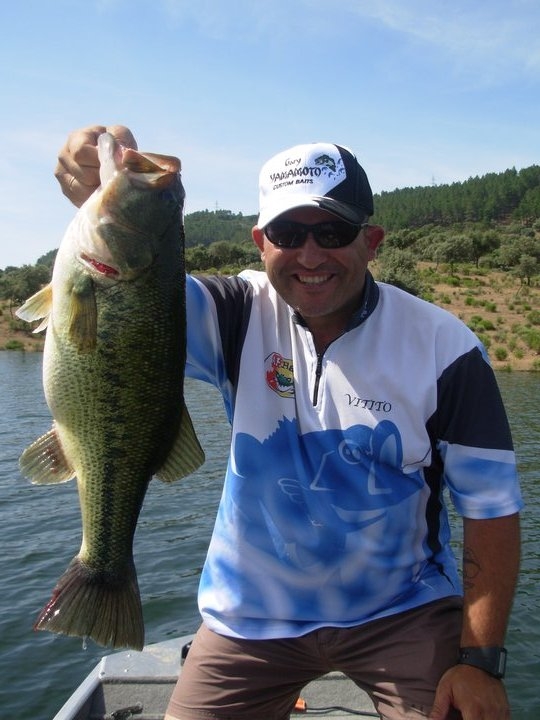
310, 495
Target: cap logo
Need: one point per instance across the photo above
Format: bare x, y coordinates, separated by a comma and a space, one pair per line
326, 161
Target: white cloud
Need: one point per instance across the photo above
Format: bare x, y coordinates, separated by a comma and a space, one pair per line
492, 36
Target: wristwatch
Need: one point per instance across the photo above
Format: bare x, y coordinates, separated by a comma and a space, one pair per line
490, 659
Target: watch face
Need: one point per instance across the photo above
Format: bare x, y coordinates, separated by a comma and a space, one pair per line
501, 669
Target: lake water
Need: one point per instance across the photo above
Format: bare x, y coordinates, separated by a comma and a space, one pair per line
40, 532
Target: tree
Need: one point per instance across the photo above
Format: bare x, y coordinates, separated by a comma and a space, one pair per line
508, 253
457, 248
221, 253
20, 283
527, 268
398, 267
483, 243
197, 258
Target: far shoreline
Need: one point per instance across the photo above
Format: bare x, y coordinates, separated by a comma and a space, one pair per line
19, 341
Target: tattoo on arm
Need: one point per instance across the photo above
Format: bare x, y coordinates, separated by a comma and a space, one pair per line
471, 568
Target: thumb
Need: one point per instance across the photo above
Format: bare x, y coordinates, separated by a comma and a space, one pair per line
123, 135
441, 705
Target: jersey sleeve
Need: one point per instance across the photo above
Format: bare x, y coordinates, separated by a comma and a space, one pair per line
217, 310
474, 440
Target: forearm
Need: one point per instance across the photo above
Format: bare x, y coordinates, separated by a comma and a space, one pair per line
491, 553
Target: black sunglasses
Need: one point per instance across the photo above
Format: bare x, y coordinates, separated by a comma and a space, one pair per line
329, 235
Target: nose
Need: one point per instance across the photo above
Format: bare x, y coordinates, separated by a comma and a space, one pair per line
311, 255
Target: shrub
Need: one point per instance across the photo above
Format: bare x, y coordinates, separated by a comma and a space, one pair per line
478, 324
14, 345
532, 339
485, 340
534, 317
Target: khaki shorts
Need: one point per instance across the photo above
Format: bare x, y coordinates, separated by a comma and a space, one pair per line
397, 660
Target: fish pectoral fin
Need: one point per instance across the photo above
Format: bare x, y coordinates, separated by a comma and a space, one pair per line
82, 319
37, 306
43, 462
186, 454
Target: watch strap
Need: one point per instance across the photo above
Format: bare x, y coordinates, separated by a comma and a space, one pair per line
490, 659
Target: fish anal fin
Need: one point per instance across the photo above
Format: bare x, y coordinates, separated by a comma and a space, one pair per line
37, 307
90, 603
44, 462
186, 455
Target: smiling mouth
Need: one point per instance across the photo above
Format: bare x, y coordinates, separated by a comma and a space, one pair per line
313, 279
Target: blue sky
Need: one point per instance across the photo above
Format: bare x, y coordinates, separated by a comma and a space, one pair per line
424, 91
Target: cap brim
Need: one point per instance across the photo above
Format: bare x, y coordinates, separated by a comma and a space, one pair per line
341, 210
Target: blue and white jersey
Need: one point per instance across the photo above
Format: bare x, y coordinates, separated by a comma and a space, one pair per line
332, 511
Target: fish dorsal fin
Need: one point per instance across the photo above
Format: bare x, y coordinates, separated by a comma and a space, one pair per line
43, 462
37, 307
186, 455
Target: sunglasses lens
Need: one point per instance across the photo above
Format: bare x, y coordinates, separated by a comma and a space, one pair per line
285, 234
335, 234
288, 234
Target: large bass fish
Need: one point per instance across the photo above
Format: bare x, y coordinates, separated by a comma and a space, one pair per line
113, 372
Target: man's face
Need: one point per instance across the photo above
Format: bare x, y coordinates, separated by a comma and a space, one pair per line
324, 286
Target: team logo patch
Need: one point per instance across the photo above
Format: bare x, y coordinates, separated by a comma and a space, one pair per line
279, 375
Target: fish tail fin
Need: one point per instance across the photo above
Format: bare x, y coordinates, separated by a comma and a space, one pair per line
186, 454
94, 604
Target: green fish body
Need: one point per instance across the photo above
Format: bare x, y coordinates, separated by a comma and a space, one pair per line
113, 374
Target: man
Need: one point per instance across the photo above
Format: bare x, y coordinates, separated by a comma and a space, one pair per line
353, 406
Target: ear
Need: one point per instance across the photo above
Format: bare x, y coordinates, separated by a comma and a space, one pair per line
374, 236
258, 238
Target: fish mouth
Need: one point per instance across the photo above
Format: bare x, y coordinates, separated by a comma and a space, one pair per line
100, 267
